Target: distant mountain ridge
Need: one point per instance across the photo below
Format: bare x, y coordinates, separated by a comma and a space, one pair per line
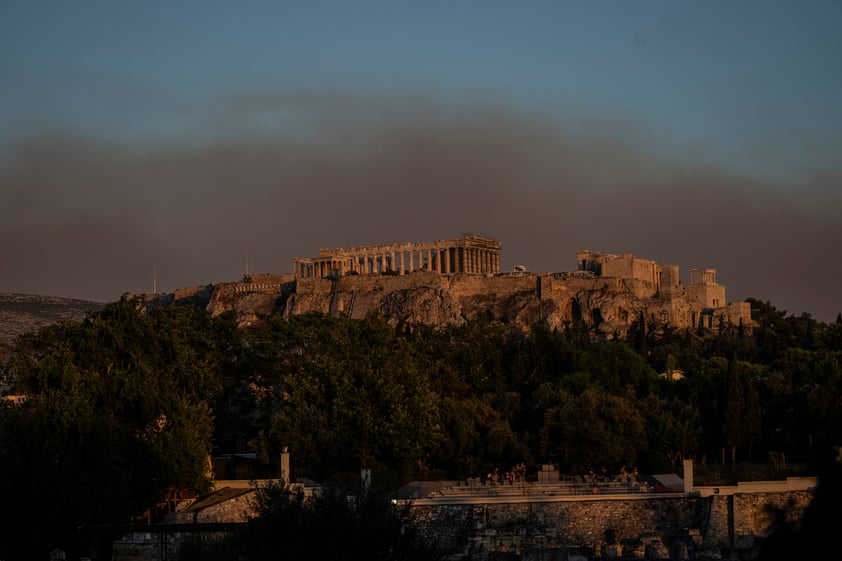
20, 313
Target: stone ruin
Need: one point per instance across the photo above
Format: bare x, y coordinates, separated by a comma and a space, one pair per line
703, 299
471, 253
607, 292
453, 281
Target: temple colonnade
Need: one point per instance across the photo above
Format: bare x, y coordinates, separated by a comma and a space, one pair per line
468, 254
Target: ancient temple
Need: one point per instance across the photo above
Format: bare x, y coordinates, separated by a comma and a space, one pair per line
470, 253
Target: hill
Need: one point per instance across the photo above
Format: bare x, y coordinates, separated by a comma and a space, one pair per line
609, 305
20, 313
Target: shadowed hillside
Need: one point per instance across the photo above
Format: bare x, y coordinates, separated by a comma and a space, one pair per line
20, 313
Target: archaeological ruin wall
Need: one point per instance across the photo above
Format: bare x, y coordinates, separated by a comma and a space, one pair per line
453, 281
701, 303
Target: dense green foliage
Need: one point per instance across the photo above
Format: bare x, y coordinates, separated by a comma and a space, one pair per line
124, 407
353, 393
118, 418
463, 399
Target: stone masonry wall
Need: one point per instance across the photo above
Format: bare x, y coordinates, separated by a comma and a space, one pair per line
683, 526
429, 298
753, 517
237, 509
674, 526
584, 524
608, 304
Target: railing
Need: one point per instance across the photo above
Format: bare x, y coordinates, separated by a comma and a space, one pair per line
730, 474
534, 489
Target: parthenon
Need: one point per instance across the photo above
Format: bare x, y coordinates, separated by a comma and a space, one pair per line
470, 253
451, 281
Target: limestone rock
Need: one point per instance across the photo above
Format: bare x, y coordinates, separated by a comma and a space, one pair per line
605, 305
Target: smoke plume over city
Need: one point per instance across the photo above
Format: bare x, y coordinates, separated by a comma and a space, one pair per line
91, 219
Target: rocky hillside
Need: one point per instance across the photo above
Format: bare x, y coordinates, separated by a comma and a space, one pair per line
427, 298
607, 305
20, 313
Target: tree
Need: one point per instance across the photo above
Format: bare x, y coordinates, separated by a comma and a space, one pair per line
593, 429
353, 394
741, 424
615, 367
673, 430
476, 434
117, 419
332, 524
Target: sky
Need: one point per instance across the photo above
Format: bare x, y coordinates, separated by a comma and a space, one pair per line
190, 141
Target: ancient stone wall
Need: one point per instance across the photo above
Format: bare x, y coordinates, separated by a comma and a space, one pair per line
607, 303
753, 513
676, 526
581, 524
193, 292
236, 509
139, 546
706, 295
680, 526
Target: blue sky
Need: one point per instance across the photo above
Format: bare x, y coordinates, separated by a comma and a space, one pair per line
743, 94
734, 81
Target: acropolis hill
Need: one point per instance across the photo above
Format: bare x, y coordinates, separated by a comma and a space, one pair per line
451, 281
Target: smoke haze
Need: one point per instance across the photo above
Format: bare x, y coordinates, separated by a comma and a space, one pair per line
284, 175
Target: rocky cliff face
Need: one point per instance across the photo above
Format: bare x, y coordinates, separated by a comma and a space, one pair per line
250, 299
607, 305
421, 297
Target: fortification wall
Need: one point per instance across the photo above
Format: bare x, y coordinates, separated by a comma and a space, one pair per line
706, 295
679, 526
630, 267
581, 524
656, 527
753, 517
420, 297
608, 304
200, 292
257, 295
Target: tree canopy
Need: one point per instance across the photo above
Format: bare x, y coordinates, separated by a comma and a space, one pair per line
118, 417
124, 408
